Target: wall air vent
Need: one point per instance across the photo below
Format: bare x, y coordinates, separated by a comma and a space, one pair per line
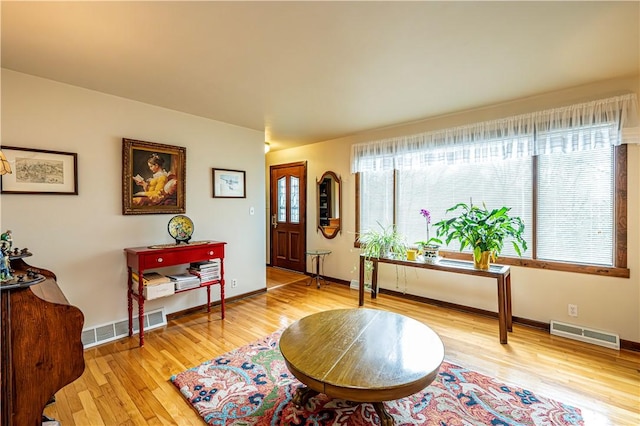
112, 331
583, 334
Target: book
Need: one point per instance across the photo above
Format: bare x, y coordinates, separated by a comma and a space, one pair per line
182, 277
151, 278
185, 281
206, 277
205, 264
185, 285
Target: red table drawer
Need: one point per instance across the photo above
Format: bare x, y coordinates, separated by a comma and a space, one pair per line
143, 258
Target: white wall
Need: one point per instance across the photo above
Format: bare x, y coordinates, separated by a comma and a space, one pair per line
610, 304
81, 238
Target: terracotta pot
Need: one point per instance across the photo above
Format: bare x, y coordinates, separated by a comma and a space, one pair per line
483, 263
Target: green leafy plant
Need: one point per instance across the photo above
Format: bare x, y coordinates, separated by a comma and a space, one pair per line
383, 241
483, 230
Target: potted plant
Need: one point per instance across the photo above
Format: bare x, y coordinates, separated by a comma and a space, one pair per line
429, 247
483, 230
383, 242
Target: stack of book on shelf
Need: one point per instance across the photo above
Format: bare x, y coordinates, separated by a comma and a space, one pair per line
155, 285
185, 281
207, 271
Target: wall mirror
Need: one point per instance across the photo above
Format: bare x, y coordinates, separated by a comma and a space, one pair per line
329, 204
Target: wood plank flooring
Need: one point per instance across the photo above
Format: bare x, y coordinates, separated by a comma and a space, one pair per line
278, 276
127, 385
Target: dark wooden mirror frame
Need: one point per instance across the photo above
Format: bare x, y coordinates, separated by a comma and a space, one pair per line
329, 194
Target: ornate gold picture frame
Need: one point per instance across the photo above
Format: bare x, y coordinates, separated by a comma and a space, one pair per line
153, 178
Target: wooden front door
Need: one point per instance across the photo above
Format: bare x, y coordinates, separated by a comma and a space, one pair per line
288, 201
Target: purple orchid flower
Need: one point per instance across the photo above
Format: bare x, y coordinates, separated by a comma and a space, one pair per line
426, 214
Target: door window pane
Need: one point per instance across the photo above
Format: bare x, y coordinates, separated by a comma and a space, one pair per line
295, 199
282, 199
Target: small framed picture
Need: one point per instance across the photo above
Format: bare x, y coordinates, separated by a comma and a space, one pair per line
229, 184
37, 171
153, 178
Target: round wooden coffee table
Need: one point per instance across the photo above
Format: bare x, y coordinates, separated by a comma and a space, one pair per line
361, 355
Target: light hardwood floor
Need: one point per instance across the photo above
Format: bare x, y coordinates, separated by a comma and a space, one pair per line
127, 385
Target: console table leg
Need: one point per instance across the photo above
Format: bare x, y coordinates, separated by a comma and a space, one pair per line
130, 300
141, 320
374, 278
208, 298
140, 299
222, 299
385, 417
130, 309
502, 310
509, 305
361, 282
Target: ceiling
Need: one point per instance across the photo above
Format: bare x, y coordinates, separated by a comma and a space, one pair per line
305, 72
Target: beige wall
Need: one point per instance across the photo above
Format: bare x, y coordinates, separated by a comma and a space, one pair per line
81, 238
609, 304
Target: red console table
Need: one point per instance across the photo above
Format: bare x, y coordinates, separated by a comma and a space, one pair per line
141, 259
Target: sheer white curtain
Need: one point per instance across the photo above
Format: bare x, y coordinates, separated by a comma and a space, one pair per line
589, 125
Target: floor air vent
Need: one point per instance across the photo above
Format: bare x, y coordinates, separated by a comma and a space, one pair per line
355, 285
106, 333
588, 335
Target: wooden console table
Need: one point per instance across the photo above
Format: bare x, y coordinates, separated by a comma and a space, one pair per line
501, 273
141, 259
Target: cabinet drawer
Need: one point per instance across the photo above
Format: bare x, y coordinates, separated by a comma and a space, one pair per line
177, 257
216, 252
198, 254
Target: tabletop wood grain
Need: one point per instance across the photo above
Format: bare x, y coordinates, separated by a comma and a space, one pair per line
362, 355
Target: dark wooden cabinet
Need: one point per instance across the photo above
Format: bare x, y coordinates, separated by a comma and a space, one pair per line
41, 345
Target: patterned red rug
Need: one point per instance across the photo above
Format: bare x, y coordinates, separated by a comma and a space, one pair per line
252, 386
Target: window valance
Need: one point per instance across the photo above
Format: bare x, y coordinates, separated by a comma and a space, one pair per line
578, 127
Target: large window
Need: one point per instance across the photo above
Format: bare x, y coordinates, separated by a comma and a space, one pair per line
437, 188
567, 183
572, 197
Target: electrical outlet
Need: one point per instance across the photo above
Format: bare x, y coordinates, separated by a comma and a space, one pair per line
234, 283
573, 310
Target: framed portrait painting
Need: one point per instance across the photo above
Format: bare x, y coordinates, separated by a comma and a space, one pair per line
229, 184
153, 178
37, 171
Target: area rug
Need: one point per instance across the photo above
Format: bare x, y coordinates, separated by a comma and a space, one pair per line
252, 386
